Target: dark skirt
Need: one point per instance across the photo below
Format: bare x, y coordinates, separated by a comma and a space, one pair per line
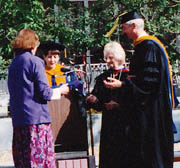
113, 140
33, 146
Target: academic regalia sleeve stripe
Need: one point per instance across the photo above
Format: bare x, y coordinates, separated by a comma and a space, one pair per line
168, 70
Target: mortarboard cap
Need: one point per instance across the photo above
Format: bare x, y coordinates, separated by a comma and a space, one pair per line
49, 45
130, 16
125, 17
44, 47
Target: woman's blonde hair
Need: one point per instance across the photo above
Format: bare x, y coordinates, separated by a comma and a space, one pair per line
26, 39
116, 49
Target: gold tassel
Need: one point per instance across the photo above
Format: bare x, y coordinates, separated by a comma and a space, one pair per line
108, 34
65, 53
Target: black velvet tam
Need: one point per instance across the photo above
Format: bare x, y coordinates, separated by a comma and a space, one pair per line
48, 46
130, 16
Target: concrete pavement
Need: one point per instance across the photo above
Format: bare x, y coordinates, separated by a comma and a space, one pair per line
6, 132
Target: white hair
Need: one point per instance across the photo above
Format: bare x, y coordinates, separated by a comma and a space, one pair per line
116, 49
139, 22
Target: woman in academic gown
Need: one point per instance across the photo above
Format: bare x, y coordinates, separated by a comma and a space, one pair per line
113, 139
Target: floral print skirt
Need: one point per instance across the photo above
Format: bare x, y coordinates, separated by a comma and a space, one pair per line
33, 146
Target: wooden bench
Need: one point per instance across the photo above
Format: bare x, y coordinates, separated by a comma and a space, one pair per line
75, 159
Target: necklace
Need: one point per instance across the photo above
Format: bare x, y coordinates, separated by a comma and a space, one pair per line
117, 73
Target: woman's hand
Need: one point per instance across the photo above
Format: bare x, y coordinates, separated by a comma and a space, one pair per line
64, 89
111, 105
112, 83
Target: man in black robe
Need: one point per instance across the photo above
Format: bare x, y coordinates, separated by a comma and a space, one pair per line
150, 97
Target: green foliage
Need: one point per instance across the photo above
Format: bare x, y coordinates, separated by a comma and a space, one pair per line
80, 29
3, 68
14, 16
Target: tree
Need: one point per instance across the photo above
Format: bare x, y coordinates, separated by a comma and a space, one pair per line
65, 22
14, 16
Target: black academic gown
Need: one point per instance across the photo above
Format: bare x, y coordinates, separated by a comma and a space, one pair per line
150, 134
113, 138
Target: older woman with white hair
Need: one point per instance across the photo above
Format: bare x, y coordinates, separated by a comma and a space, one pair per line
111, 102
